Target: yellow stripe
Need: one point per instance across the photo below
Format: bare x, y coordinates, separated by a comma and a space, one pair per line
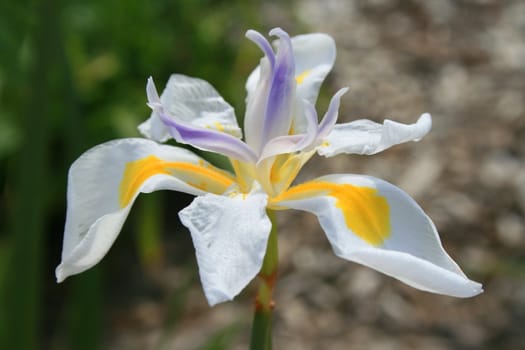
285, 169
202, 176
300, 78
366, 212
244, 174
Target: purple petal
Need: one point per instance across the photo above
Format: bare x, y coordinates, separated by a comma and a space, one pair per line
263, 44
297, 142
207, 139
330, 117
277, 116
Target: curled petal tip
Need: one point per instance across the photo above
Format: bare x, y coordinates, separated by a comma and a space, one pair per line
425, 120
59, 273
342, 91
151, 92
471, 290
263, 44
277, 31
330, 118
150, 83
337, 96
478, 289
250, 33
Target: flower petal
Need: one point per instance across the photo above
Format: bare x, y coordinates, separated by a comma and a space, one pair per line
258, 87
230, 234
198, 137
367, 137
265, 47
104, 182
209, 140
271, 92
330, 118
195, 102
314, 58
376, 224
311, 136
293, 143
281, 95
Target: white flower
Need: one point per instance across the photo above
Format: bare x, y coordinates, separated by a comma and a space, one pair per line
366, 220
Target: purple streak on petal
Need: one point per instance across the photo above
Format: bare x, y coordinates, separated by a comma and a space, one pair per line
208, 140
277, 116
263, 44
330, 117
297, 142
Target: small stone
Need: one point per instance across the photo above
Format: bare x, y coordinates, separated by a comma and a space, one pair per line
421, 174
364, 282
510, 230
519, 185
511, 105
498, 169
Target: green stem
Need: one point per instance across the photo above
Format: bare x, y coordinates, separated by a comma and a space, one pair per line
264, 304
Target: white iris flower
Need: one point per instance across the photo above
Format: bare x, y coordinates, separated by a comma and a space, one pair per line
366, 220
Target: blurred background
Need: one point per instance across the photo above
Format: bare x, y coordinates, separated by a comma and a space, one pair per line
73, 75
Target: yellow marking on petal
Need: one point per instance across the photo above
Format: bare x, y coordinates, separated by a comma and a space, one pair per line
245, 174
277, 167
219, 126
325, 143
365, 211
285, 169
201, 185
291, 131
202, 176
300, 78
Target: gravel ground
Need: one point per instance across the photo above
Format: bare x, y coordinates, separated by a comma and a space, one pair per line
462, 61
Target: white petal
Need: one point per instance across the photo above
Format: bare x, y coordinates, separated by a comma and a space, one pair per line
297, 142
103, 184
193, 101
154, 129
230, 234
252, 81
367, 137
258, 86
374, 223
314, 58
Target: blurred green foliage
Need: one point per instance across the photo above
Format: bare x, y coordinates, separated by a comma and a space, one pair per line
73, 75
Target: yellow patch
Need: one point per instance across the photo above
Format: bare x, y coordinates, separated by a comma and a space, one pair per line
285, 168
245, 174
219, 126
366, 212
300, 78
202, 176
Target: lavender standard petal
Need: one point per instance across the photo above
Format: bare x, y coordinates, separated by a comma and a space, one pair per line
330, 117
277, 116
263, 44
